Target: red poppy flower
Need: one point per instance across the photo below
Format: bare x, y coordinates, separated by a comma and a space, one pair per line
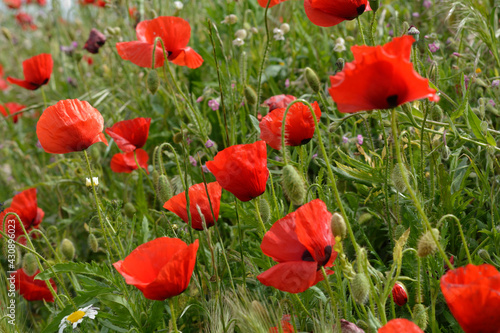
399, 326
31, 289
301, 242
130, 134
88, 59
175, 33
399, 294
473, 296
95, 41
70, 125
299, 128
161, 268
14, 4
380, 77
37, 71
197, 198
25, 205
327, 13
11, 109
278, 101
125, 163
285, 325
242, 169
263, 3
3, 84
25, 21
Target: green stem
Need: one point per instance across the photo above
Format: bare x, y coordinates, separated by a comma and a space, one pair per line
461, 233
332, 299
266, 50
360, 26
172, 312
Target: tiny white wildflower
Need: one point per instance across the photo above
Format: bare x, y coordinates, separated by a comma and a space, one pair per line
278, 34
89, 183
238, 42
178, 5
241, 34
76, 317
230, 19
285, 27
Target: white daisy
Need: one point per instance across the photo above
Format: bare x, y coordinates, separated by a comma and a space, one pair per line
89, 183
77, 317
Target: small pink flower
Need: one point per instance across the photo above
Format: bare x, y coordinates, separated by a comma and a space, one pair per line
213, 104
360, 139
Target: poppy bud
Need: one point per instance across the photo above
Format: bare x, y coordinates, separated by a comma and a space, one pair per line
340, 64
312, 79
397, 178
374, 4
179, 136
426, 244
95, 41
399, 294
163, 189
93, 243
365, 217
67, 249
360, 288
30, 265
242, 34
129, 210
398, 232
414, 32
420, 317
445, 153
293, 185
433, 73
483, 254
156, 175
338, 225
436, 113
265, 210
250, 95
153, 81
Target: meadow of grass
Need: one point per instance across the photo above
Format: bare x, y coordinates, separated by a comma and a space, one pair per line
415, 187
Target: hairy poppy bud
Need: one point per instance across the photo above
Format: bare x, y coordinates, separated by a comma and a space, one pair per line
93, 243
360, 288
374, 4
426, 244
156, 175
265, 210
30, 265
129, 209
399, 294
153, 81
312, 79
179, 136
250, 95
8, 35
436, 113
420, 317
483, 254
67, 249
338, 225
412, 31
163, 189
365, 217
293, 185
340, 64
398, 232
397, 178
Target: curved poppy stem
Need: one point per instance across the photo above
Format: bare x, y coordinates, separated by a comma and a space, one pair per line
302, 305
266, 50
360, 26
416, 202
256, 204
332, 299
461, 232
44, 98
172, 312
141, 169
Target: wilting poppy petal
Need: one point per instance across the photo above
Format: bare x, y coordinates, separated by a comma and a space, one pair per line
37, 71
130, 134
31, 289
125, 163
161, 268
25, 205
175, 33
278, 101
263, 3
379, 78
11, 109
326, 13
299, 128
242, 169
301, 242
197, 198
473, 296
70, 125
400, 326
95, 41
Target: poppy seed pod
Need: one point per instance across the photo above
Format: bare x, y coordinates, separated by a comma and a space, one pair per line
264, 210
426, 244
30, 266
293, 185
360, 288
374, 4
312, 79
153, 81
67, 249
399, 294
250, 95
338, 225
93, 243
420, 316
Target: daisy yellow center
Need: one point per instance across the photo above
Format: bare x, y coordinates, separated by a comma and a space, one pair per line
76, 316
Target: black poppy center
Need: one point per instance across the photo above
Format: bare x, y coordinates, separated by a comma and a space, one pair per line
361, 9
303, 142
392, 101
307, 256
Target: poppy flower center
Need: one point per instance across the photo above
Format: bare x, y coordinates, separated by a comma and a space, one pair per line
392, 101
307, 256
361, 9
76, 316
303, 142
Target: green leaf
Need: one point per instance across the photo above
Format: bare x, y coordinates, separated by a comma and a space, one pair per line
255, 123
475, 125
92, 268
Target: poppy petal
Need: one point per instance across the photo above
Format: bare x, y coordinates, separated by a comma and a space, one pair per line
38, 69
400, 325
319, 17
175, 32
278, 101
293, 276
31, 289
130, 134
140, 53
263, 3
23, 83
186, 57
69, 126
125, 163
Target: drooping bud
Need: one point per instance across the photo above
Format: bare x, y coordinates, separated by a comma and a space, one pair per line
420, 317
399, 294
179, 136
374, 4
312, 79
293, 185
30, 265
483, 254
129, 209
153, 81
340, 64
93, 243
365, 217
67, 249
7, 34
360, 288
397, 178
338, 225
250, 95
436, 113
426, 244
163, 189
241, 33
265, 210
